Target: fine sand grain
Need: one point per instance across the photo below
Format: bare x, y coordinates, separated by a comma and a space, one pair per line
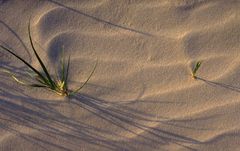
142, 96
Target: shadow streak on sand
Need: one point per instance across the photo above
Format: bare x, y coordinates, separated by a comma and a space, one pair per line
43, 117
20, 110
66, 133
123, 117
226, 86
100, 20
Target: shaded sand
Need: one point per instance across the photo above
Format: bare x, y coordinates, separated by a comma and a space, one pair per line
141, 97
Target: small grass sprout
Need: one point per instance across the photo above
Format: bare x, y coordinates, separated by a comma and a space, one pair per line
57, 83
195, 69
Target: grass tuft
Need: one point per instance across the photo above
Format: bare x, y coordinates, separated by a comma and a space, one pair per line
58, 83
195, 69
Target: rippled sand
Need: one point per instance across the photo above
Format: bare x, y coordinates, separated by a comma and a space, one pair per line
142, 96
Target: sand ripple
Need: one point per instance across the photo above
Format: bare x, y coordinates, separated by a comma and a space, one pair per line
141, 96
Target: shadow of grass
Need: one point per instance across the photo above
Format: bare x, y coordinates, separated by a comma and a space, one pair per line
44, 117
226, 86
124, 117
59, 131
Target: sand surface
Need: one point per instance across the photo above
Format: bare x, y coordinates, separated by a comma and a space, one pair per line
141, 96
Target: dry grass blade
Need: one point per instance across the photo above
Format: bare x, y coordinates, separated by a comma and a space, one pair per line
78, 89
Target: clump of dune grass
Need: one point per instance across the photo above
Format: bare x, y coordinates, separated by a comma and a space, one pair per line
195, 69
58, 83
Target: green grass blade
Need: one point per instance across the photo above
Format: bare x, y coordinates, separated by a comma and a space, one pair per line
58, 83
67, 72
40, 80
76, 91
26, 63
62, 67
50, 81
195, 69
37, 78
38, 86
197, 66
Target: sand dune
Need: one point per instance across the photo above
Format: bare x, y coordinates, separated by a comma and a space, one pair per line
142, 96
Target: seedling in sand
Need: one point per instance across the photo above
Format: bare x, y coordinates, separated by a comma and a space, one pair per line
195, 69
57, 84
